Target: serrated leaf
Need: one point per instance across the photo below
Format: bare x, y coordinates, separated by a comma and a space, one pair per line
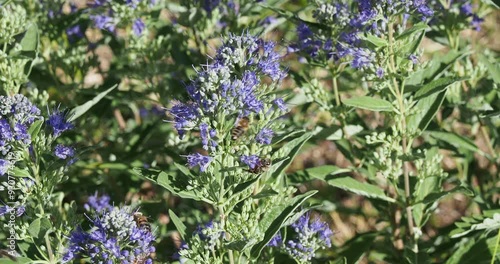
436, 196
361, 188
427, 109
78, 111
455, 140
320, 172
287, 153
273, 220
436, 86
475, 251
369, 103
165, 181
39, 227
181, 228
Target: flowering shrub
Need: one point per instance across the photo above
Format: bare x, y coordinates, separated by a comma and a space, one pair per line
328, 131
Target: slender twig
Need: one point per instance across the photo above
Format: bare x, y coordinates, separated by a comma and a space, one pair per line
400, 95
496, 248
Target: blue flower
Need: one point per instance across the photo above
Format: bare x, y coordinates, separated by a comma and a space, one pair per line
104, 22
4, 166
21, 134
197, 159
250, 160
114, 238
57, 120
380, 72
280, 103
98, 203
466, 9
64, 152
476, 22
265, 136
74, 33
276, 241
138, 26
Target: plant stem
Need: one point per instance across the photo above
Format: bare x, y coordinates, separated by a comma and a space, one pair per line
335, 88
49, 249
496, 248
400, 95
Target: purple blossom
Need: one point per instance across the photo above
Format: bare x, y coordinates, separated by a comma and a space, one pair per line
198, 159
184, 115
380, 72
264, 136
58, 122
64, 152
476, 22
4, 166
138, 26
103, 22
74, 33
114, 238
98, 203
466, 9
280, 103
21, 134
276, 241
413, 58
250, 160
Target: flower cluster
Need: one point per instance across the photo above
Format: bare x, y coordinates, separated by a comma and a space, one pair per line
17, 113
230, 91
348, 23
108, 15
308, 236
465, 10
204, 240
114, 237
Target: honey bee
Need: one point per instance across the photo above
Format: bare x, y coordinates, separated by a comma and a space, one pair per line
240, 128
142, 221
262, 166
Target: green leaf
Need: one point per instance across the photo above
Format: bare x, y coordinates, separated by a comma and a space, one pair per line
369, 103
30, 40
35, 128
414, 29
357, 247
39, 227
168, 182
436, 86
287, 153
320, 172
183, 169
455, 140
361, 188
18, 172
181, 228
29, 46
378, 42
78, 111
493, 68
475, 251
20, 260
427, 109
274, 219
435, 196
